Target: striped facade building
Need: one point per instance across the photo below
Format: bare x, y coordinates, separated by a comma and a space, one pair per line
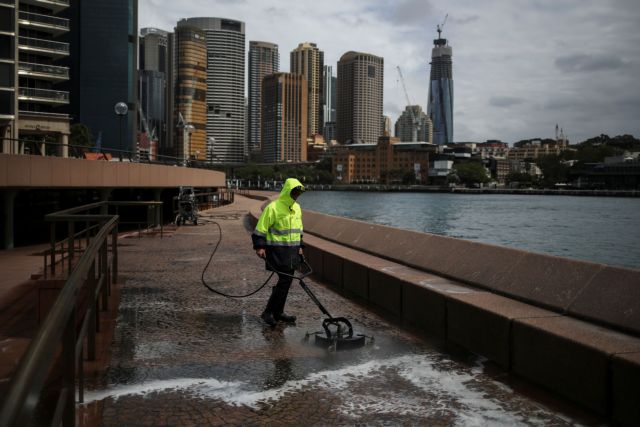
307, 60
225, 101
190, 89
284, 118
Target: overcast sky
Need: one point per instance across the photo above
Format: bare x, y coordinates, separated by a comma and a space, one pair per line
519, 67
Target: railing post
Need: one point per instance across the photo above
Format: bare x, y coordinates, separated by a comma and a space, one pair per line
71, 227
53, 247
81, 376
104, 273
69, 370
88, 234
93, 316
114, 255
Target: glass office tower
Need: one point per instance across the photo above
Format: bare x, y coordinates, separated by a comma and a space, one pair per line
440, 109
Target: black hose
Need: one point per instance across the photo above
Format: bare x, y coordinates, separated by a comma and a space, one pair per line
209, 262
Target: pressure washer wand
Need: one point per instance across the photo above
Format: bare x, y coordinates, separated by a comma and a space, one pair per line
314, 298
309, 271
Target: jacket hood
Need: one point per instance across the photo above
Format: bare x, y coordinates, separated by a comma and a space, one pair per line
285, 194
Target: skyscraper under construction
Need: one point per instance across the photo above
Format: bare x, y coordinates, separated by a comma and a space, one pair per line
440, 109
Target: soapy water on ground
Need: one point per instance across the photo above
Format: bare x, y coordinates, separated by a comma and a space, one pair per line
430, 388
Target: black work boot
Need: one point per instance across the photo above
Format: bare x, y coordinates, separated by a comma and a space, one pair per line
267, 316
285, 318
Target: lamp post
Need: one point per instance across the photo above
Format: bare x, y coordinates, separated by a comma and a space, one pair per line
188, 130
121, 110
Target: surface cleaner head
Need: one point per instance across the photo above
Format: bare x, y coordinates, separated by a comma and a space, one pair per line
338, 335
340, 343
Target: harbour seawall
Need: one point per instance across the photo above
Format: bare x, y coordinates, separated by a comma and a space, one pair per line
464, 190
569, 326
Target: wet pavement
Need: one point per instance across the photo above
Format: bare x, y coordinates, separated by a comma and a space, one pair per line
183, 355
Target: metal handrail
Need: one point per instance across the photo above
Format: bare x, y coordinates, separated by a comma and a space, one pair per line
59, 326
44, 19
53, 70
43, 44
53, 95
29, 379
121, 155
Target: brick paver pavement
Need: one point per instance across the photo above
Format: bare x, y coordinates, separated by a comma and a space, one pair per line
185, 356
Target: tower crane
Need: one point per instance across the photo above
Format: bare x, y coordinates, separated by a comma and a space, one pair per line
441, 26
414, 119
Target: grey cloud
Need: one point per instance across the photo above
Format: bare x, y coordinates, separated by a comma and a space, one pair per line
582, 62
465, 19
411, 12
505, 101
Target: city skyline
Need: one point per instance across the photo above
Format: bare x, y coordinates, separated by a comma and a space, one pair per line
519, 70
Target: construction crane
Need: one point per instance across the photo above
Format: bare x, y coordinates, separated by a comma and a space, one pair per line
414, 118
441, 26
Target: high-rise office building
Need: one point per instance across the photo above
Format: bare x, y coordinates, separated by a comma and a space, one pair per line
190, 89
226, 136
386, 125
104, 52
155, 90
308, 61
284, 118
264, 59
359, 98
33, 51
440, 109
328, 95
406, 125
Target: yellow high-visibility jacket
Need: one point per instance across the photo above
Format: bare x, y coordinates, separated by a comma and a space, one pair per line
279, 230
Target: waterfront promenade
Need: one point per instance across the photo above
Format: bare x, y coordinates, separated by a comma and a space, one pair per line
182, 355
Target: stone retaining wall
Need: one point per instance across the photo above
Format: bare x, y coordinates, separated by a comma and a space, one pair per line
567, 325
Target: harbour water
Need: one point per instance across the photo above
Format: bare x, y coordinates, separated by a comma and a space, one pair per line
598, 229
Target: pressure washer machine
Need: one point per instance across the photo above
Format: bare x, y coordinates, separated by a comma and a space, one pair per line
187, 206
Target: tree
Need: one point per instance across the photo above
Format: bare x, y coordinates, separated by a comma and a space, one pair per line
553, 170
80, 135
409, 177
519, 177
471, 173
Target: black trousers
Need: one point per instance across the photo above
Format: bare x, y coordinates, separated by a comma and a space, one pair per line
279, 293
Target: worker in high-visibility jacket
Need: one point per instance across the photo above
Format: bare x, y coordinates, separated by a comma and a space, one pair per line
277, 238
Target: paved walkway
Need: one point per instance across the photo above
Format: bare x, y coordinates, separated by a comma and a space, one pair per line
18, 308
185, 356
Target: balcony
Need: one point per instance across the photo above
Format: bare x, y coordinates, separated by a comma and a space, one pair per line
54, 5
43, 47
43, 96
47, 23
44, 72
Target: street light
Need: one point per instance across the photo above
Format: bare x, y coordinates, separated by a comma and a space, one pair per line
188, 129
121, 110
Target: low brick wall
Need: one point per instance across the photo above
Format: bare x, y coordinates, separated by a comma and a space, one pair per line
570, 326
